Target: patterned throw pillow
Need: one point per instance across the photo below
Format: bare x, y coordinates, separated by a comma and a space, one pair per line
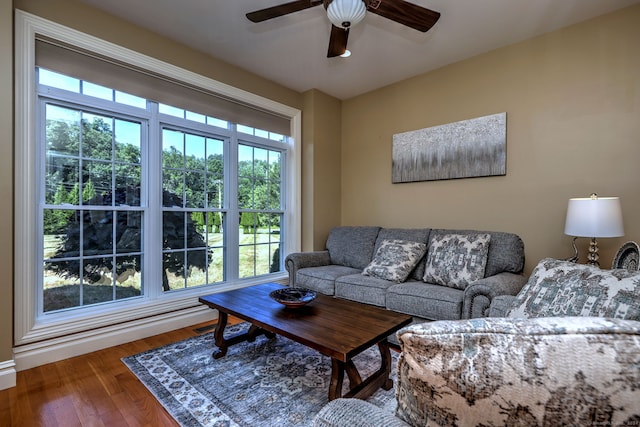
561, 288
395, 259
455, 260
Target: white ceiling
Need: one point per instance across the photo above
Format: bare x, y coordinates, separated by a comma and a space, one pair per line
291, 50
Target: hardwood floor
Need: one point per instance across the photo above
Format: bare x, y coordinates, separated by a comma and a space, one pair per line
95, 389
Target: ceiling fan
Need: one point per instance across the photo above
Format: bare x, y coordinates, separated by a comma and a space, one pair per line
343, 14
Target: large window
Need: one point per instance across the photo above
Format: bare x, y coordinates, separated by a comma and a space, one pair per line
139, 186
100, 154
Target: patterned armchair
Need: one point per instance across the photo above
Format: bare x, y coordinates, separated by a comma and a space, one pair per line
568, 354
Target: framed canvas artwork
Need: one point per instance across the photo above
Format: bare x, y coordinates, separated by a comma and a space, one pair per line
465, 149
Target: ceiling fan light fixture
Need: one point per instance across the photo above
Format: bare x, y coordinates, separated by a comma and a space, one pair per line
346, 54
346, 13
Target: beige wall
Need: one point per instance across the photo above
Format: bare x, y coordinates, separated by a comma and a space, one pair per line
572, 99
6, 180
321, 183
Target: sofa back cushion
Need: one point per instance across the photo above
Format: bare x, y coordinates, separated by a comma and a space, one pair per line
352, 246
420, 235
506, 251
562, 288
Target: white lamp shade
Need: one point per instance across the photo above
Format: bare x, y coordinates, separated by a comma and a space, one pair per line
594, 217
346, 13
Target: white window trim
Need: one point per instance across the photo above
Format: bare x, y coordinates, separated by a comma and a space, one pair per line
26, 329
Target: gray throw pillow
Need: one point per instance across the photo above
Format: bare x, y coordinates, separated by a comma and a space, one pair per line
455, 260
395, 259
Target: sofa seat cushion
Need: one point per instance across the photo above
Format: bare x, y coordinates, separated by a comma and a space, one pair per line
322, 279
433, 302
455, 260
395, 259
365, 289
562, 288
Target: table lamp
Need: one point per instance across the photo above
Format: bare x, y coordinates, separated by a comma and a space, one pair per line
593, 217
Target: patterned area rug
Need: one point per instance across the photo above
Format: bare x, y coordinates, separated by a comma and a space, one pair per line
270, 382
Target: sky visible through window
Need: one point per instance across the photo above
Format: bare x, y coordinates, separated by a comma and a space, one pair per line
60, 81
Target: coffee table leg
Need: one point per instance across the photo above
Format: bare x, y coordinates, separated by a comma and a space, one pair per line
352, 374
385, 364
337, 376
254, 331
223, 343
218, 334
338, 368
357, 387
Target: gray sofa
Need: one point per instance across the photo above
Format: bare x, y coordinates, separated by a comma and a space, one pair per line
350, 250
531, 368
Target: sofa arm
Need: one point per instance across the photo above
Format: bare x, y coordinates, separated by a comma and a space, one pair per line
539, 371
501, 305
355, 413
479, 294
297, 260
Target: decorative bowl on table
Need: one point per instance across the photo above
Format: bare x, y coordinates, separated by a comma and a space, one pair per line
293, 297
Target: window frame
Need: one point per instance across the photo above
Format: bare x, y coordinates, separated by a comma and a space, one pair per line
27, 237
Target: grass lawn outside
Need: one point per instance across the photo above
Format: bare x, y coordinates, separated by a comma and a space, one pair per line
255, 258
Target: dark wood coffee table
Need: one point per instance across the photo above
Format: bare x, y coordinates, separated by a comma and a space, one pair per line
335, 327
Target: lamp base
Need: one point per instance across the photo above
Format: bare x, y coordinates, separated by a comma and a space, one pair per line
592, 258
575, 256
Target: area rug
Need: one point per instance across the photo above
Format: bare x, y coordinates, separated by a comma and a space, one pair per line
270, 382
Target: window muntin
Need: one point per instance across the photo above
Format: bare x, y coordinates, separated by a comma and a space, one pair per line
100, 168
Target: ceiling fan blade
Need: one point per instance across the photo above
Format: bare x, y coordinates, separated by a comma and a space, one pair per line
337, 41
405, 13
281, 10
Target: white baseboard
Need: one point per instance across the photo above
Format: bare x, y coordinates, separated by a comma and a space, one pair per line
7, 374
48, 351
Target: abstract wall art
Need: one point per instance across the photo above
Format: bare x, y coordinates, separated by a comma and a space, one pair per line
465, 149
